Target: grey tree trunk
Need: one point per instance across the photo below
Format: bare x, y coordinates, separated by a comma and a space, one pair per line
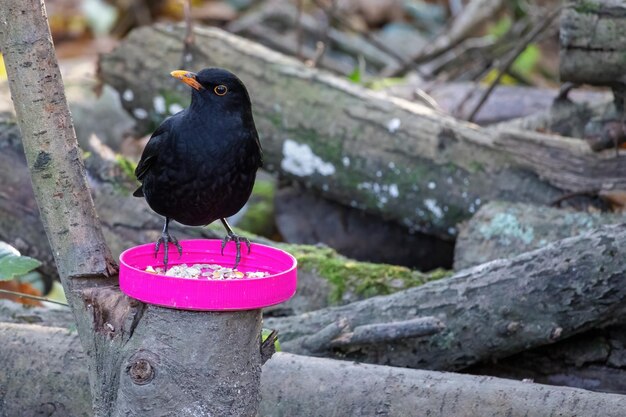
591, 33
200, 364
291, 386
491, 311
388, 156
337, 388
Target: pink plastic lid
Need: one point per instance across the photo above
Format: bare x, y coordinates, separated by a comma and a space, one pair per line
209, 294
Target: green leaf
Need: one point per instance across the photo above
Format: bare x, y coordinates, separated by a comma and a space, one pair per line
382, 83
526, 62
56, 293
12, 264
355, 76
127, 166
501, 27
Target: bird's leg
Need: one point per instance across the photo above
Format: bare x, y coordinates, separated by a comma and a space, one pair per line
235, 238
166, 239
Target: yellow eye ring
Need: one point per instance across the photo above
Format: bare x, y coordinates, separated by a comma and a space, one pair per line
220, 90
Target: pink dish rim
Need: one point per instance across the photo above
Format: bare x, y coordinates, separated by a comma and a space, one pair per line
280, 284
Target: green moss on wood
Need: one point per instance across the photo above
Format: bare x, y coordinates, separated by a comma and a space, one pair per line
347, 276
364, 279
585, 6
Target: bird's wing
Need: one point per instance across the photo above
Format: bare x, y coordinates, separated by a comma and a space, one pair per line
151, 152
152, 149
258, 144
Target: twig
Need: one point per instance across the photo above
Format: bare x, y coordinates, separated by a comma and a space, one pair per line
589, 193
189, 36
389, 332
367, 36
268, 346
320, 341
503, 66
299, 31
321, 46
33, 297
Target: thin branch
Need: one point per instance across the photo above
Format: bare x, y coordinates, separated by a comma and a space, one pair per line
189, 35
373, 40
50, 146
33, 297
299, 30
582, 193
504, 65
322, 45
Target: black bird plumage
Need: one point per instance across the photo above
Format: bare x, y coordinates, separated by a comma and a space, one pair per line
200, 164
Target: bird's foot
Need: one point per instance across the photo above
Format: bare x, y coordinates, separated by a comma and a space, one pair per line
165, 240
237, 239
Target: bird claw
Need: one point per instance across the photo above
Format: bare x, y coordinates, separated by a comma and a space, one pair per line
237, 239
165, 240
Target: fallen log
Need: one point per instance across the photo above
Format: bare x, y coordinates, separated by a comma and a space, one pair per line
489, 312
594, 360
503, 230
291, 385
300, 384
382, 154
592, 32
303, 217
505, 104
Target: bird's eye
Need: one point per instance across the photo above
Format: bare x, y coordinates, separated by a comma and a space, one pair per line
220, 90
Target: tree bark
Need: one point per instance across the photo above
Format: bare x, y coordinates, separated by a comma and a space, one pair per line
489, 312
503, 230
382, 154
593, 360
351, 389
135, 349
592, 32
291, 386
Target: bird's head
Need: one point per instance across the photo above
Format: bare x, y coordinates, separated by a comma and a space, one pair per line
215, 87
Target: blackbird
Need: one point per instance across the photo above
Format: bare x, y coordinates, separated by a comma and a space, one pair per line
200, 164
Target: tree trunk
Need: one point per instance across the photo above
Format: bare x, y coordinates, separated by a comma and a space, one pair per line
337, 388
592, 32
291, 386
135, 350
365, 149
491, 311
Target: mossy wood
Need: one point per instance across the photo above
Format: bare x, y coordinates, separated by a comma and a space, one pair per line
385, 155
330, 387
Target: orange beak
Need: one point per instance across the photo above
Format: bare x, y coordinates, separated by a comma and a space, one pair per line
188, 78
